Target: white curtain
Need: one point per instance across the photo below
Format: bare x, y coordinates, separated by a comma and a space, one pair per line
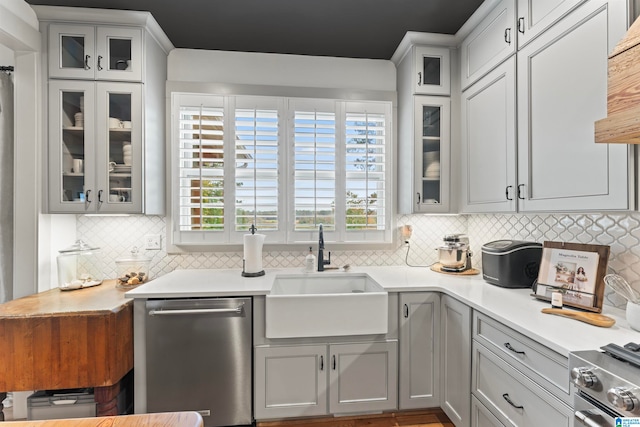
6, 187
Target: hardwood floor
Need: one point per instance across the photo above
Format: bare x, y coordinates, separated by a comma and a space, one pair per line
424, 418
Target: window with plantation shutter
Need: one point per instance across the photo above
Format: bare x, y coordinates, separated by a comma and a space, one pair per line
256, 169
201, 171
314, 163
365, 169
286, 165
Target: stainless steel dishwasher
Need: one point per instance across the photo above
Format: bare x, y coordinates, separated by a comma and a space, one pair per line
199, 358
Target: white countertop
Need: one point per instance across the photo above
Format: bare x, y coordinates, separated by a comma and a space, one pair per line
513, 307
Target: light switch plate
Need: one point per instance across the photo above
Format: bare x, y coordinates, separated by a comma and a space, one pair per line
153, 242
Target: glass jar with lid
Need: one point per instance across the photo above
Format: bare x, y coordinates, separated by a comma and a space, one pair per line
79, 266
133, 270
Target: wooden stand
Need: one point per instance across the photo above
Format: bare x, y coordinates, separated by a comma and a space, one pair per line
64, 340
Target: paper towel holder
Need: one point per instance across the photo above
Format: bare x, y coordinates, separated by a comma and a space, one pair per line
253, 230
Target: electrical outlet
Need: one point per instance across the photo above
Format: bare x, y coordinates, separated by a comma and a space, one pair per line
153, 242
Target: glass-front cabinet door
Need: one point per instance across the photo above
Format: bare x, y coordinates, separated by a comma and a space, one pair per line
95, 147
119, 153
88, 52
71, 146
431, 74
432, 154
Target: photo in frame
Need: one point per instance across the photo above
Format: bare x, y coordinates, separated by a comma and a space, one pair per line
576, 271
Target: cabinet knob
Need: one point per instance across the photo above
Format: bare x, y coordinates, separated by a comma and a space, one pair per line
86, 62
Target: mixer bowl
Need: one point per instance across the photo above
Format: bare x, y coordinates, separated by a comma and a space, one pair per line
453, 258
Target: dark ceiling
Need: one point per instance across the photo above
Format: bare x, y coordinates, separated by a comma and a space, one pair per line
342, 28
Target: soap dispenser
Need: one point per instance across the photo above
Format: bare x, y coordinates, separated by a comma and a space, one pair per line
310, 261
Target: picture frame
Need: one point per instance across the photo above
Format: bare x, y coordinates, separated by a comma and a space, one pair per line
576, 270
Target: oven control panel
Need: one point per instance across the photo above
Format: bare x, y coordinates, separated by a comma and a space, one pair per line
609, 384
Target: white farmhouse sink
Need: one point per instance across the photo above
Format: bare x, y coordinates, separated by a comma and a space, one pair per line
326, 304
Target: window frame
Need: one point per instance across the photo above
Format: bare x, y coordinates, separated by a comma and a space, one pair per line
286, 237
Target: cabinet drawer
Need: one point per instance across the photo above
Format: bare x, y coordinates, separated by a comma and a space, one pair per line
512, 397
545, 366
481, 416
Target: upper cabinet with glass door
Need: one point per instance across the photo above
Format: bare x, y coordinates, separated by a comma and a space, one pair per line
431, 74
95, 52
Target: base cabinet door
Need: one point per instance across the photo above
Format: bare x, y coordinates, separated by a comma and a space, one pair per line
363, 377
455, 364
419, 381
290, 381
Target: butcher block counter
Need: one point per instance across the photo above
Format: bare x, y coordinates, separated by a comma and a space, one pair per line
169, 419
57, 339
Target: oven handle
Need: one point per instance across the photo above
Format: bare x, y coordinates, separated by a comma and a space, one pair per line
591, 418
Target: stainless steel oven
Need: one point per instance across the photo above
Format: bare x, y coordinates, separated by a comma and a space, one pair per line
607, 384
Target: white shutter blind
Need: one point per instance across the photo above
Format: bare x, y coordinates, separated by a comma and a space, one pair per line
314, 164
256, 169
201, 168
365, 174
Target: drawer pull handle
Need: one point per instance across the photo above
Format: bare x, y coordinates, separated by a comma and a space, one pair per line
419, 79
508, 399
406, 311
513, 349
321, 362
334, 362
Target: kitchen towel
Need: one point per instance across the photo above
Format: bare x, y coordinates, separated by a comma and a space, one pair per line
253, 252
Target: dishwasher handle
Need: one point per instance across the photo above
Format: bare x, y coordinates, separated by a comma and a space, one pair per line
237, 310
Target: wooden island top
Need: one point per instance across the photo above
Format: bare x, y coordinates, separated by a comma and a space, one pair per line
57, 340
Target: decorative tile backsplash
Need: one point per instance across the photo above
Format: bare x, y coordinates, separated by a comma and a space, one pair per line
117, 236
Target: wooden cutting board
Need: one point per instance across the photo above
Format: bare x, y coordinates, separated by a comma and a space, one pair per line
437, 267
590, 318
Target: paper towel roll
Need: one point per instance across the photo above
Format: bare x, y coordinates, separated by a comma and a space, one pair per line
253, 252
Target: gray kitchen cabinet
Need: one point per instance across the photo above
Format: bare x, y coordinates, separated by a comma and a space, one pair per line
558, 166
363, 377
516, 379
512, 397
419, 367
488, 148
481, 416
290, 381
311, 380
88, 165
562, 91
455, 362
489, 43
431, 74
90, 52
424, 137
534, 16
105, 100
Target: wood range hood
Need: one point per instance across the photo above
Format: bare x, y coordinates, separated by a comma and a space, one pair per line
622, 124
